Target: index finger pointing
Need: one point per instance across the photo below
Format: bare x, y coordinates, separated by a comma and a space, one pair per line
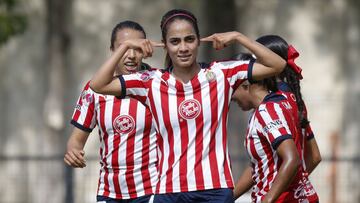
207, 39
157, 44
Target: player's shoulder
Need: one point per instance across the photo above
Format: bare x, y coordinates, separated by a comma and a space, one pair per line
271, 101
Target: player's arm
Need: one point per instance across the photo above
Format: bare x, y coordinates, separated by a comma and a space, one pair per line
103, 81
268, 63
244, 183
74, 155
290, 163
312, 155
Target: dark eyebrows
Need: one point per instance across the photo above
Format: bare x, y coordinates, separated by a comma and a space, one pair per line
192, 36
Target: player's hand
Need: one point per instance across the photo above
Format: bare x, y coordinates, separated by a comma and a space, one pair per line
145, 45
221, 40
75, 158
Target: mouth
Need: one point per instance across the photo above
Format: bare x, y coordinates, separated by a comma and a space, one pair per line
131, 66
184, 58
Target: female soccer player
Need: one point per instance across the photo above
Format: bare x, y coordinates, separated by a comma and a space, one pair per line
274, 174
127, 139
190, 105
289, 84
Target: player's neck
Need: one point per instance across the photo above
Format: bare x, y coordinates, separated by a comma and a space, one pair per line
185, 74
259, 96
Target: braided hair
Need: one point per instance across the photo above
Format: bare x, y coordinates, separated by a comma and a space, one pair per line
278, 45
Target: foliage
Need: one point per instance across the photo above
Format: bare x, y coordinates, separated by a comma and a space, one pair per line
11, 21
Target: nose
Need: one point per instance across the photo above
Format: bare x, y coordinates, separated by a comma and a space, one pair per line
131, 54
183, 47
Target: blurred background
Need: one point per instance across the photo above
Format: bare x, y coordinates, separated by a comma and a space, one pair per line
49, 49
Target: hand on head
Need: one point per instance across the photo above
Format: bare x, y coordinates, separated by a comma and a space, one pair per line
221, 40
145, 45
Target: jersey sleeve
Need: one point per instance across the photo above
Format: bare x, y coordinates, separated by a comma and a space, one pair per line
274, 125
236, 71
136, 85
84, 112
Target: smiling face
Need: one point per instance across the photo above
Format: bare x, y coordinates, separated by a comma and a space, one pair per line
131, 61
182, 44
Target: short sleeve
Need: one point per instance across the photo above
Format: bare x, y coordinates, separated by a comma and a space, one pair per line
84, 112
137, 84
273, 123
236, 70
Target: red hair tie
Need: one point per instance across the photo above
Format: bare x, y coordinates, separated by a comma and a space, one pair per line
292, 55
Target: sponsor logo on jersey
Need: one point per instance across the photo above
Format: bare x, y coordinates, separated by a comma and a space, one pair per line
78, 107
275, 124
189, 109
124, 124
86, 97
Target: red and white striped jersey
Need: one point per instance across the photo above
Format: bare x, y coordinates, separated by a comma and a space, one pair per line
304, 134
270, 124
128, 150
191, 119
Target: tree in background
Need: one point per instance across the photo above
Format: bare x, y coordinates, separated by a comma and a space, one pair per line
11, 21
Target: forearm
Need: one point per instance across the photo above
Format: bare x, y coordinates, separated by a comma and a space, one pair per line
312, 155
244, 183
282, 180
105, 75
263, 55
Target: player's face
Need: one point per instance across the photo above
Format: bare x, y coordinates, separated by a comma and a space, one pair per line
242, 97
131, 61
182, 43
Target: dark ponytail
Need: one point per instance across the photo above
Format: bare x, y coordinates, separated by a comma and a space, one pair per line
169, 17
280, 47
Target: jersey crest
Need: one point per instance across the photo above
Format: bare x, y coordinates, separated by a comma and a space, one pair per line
189, 109
124, 124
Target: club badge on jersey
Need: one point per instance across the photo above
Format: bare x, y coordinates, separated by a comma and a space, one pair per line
210, 76
189, 109
124, 124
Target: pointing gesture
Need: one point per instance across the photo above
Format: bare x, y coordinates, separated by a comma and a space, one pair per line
221, 40
145, 45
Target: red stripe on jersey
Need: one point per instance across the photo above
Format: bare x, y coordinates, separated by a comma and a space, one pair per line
199, 137
233, 71
184, 140
227, 163
266, 146
115, 153
77, 112
134, 83
214, 124
105, 138
170, 134
87, 122
146, 157
259, 166
129, 176
160, 140
80, 102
